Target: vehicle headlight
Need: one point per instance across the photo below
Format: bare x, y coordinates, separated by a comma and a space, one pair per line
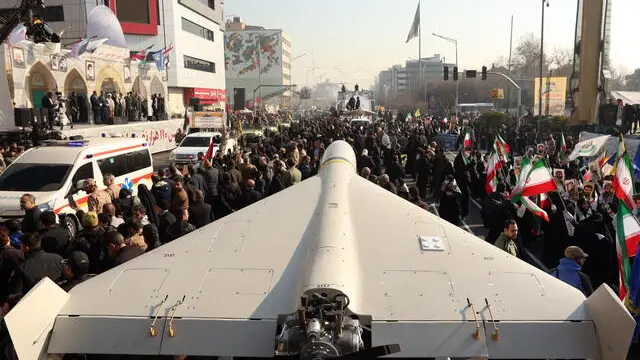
48, 206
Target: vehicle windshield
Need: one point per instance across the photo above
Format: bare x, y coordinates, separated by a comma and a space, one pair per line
195, 141
34, 177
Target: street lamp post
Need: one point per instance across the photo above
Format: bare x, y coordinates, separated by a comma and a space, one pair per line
454, 42
545, 3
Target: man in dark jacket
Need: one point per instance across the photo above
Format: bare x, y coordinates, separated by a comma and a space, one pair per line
37, 264
117, 250
55, 238
75, 269
200, 212
10, 259
31, 219
250, 194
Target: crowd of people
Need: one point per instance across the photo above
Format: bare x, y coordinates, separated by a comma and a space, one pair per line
401, 156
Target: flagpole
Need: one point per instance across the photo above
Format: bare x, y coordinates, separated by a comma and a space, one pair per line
426, 96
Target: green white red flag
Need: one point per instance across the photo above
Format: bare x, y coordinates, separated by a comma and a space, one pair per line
502, 148
628, 234
563, 143
414, 31
493, 165
534, 208
623, 178
525, 167
539, 180
468, 139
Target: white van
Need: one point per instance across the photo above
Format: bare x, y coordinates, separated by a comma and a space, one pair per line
198, 142
54, 171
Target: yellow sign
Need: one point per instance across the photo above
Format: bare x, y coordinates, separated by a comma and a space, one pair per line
554, 91
497, 94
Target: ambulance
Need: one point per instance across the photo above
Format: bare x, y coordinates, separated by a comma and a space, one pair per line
55, 171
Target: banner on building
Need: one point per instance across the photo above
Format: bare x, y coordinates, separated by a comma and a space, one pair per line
554, 91
496, 94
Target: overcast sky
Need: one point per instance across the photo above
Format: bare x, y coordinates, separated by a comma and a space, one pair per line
362, 37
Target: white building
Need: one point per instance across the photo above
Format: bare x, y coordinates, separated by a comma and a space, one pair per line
249, 65
193, 27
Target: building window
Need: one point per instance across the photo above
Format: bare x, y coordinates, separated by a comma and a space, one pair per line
286, 77
286, 65
53, 14
195, 29
212, 4
286, 54
199, 64
137, 16
158, 11
133, 11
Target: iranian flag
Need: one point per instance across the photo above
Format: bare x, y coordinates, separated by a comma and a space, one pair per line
545, 201
525, 167
539, 180
535, 209
563, 143
464, 157
502, 148
493, 165
467, 139
628, 233
623, 179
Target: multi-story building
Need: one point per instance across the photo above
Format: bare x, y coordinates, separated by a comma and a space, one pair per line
398, 79
192, 27
257, 62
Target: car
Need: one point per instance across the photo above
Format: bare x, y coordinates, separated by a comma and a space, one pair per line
198, 142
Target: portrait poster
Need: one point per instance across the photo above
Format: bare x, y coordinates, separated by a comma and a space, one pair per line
90, 70
126, 70
17, 55
54, 62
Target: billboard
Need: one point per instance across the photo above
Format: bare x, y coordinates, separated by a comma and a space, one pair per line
554, 91
241, 51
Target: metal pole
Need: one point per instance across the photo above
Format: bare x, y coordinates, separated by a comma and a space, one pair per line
541, 64
426, 87
259, 69
457, 82
509, 65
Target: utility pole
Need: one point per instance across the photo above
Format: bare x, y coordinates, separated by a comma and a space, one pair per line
545, 3
509, 65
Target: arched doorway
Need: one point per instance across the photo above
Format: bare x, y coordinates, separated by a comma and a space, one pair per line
40, 81
75, 83
157, 87
138, 88
109, 80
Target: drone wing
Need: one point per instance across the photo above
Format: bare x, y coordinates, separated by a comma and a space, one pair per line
412, 278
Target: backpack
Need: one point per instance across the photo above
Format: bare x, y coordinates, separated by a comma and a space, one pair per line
584, 279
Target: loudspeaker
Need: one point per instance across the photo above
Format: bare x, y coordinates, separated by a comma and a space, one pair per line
238, 98
23, 117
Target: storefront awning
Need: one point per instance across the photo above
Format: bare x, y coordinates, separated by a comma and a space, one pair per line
628, 97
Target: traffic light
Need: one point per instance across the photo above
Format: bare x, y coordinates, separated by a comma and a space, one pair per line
484, 73
455, 73
446, 73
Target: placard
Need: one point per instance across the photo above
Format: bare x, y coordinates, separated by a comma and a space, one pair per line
207, 119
